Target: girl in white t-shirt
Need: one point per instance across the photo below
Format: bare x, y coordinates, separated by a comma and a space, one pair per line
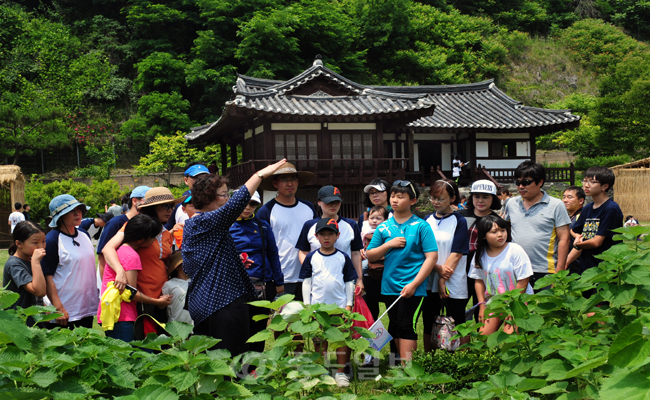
498, 267
447, 285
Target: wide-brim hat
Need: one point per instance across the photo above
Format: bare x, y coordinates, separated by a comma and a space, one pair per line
63, 204
174, 261
159, 195
304, 177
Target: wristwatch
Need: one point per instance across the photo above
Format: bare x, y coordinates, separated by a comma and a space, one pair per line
260, 175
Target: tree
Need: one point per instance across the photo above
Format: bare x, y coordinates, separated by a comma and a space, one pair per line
158, 113
623, 111
598, 45
160, 72
44, 74
281, 43
25, 131
166, 153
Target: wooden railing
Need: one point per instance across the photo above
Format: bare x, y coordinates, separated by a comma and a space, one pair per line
329, 171
507, 175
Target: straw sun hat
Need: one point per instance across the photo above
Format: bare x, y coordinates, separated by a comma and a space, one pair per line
159, 195
287, 169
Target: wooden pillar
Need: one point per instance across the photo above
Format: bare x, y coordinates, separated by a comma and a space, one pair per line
411, 149
269, 142
324, 142
224, 155
379, 140
472, 154
233, 151
251, 125
533, 147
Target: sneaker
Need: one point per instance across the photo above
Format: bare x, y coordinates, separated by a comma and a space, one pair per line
342, 380
347, 370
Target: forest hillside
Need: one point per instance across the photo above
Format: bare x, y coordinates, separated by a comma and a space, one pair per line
83, 82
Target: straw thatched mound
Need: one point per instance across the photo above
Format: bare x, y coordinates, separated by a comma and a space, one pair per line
632, 188
12, 190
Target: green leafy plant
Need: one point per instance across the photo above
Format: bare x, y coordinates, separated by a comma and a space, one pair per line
84, 364
570, 346
325, 322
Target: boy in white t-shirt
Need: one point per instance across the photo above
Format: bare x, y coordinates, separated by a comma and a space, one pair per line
329, 277
16, 216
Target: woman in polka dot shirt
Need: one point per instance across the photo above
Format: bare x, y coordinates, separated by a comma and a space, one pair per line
220, 287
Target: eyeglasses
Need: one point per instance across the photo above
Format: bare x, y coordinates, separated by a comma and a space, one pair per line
370, 194
288, 180
437, 199
402, 183
523, 182
589, 183
167, 207
224, 195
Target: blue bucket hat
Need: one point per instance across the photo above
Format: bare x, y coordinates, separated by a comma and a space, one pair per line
140, 192
63, 204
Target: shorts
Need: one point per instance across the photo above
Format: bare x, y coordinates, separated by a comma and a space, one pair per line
404, 316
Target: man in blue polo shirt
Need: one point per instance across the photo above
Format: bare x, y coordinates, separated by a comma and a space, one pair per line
540, 223
192, 171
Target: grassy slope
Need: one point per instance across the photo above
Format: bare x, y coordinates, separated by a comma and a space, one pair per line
539, 72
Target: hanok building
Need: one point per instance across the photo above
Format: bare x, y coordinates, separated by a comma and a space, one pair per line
348, 133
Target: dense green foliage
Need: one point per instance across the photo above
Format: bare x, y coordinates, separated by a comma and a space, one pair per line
84, 364
566, 346
38, 195
150, 68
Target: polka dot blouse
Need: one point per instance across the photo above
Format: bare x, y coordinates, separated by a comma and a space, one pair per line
211, 260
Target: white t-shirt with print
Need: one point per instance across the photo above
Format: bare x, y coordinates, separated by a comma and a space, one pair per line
501, 273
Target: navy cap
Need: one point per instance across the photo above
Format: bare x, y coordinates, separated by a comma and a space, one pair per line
196, 169
325, 223
328, 194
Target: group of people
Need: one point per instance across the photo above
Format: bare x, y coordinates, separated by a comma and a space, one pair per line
203, 257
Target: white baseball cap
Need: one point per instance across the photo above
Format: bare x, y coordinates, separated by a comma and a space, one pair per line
484, 186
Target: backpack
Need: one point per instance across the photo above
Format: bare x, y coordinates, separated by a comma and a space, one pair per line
443, 330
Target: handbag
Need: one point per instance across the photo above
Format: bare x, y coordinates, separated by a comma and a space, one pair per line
444, 328
260, 288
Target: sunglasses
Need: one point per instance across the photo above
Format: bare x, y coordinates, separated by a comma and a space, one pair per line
253, 204
523, 182
402, 183
167, 206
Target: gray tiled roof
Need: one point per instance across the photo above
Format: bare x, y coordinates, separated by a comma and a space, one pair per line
276, 97
481, 105
470, 106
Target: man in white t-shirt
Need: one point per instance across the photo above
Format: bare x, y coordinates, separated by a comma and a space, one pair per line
16, 216
286, 214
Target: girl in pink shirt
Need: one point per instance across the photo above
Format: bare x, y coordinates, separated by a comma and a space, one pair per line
140, 232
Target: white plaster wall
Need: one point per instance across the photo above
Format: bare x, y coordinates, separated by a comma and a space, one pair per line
446, 158
334, 126
500, 163
523, 149
482, 149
